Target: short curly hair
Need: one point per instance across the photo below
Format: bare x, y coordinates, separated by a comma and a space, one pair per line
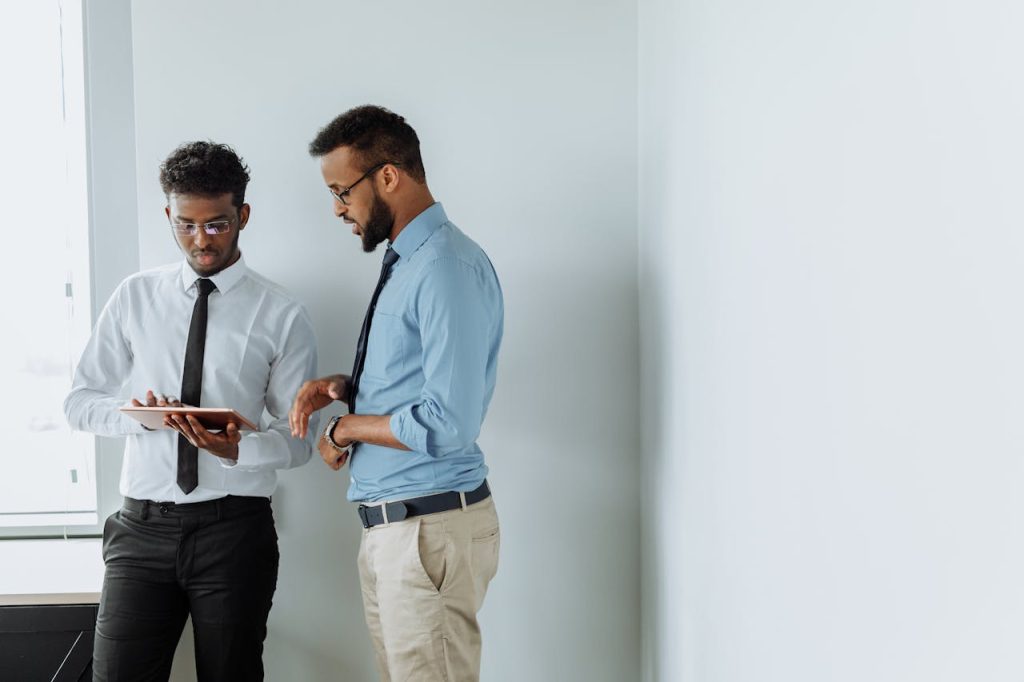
377, 135
205, 169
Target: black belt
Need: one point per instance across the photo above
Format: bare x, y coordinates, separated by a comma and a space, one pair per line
418, 506
231, 504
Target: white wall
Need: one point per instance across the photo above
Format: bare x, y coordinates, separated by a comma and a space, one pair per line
830, 278
527, 115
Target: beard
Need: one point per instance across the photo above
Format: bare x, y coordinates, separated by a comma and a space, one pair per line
378, 225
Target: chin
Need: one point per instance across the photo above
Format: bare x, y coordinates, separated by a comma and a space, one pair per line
206, 271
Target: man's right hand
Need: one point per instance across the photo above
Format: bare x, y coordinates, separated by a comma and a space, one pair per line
157, 400
314, 395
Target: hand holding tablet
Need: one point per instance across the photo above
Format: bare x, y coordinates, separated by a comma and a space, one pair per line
158, 407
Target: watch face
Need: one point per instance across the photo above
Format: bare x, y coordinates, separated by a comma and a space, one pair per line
329, 430
330, 427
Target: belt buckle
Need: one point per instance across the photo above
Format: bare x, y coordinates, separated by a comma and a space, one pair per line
363, 516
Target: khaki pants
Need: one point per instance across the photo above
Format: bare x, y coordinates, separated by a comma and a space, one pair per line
423, 581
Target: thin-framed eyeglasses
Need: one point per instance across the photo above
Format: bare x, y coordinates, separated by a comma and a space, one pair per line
212, 227
342, 196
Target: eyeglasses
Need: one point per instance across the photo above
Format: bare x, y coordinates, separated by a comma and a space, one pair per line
342, 196
214, 227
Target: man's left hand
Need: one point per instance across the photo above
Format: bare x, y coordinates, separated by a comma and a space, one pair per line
223, 444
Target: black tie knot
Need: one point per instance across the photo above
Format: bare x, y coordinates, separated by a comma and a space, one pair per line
390, 256
205, 286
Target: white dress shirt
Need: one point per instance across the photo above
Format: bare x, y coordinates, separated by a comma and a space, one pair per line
260, 347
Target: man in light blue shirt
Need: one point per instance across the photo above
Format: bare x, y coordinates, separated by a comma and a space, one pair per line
423, 377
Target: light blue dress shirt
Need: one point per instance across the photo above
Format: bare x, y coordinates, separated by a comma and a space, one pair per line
431, 361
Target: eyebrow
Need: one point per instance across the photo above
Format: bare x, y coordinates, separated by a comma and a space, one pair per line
183, 219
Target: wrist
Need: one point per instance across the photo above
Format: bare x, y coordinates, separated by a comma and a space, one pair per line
333, 434
230, 453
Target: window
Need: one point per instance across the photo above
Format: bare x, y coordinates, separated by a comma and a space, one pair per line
48, 478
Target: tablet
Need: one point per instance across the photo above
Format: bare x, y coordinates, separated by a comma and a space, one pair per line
212, 418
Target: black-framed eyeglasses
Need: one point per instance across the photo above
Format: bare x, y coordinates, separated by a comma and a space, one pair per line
212, 227
342, 196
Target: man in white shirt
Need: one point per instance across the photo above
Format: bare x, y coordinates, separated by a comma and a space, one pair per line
196, 532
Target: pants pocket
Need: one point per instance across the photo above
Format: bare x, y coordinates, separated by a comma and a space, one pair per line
431, 551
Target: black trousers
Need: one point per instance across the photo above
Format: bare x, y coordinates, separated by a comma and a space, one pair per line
214, 560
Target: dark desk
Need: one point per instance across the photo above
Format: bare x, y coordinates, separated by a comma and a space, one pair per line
50, 642
49, 596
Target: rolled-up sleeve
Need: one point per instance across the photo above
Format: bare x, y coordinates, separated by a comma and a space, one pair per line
455, 311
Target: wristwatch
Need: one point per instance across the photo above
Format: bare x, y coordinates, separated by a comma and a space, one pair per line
329, 434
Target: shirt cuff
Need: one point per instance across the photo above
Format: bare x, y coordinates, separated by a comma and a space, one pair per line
230, 463
407, 431
248, 454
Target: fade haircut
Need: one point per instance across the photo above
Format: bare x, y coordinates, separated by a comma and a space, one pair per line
377, 136
205, 169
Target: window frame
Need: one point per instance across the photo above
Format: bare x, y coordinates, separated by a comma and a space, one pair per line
111, 197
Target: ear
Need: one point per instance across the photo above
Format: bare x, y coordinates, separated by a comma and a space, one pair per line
243, 216
390, 177
167, 211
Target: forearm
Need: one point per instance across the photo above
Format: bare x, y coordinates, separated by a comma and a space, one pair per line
365, 428
98, 413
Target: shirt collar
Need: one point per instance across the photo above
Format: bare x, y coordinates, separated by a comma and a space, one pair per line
419, 229
225, 279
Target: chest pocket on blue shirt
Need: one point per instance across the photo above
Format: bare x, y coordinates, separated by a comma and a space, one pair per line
385, 351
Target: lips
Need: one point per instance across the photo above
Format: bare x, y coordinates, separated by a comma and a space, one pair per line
204, 257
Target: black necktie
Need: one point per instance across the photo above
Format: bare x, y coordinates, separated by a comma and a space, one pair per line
390, 256
192, 384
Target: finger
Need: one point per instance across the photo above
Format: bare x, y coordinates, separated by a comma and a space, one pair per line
293, 418
136, 403
185, 428
300, 408
150, 399
232, 433
175, 424
301, 419
199, 430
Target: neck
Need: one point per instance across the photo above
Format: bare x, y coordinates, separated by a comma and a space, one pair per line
409, 210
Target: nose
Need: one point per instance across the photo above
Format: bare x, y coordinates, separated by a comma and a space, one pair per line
201, 239
340, 209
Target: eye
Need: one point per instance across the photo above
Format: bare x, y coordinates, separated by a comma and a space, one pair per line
218, 227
